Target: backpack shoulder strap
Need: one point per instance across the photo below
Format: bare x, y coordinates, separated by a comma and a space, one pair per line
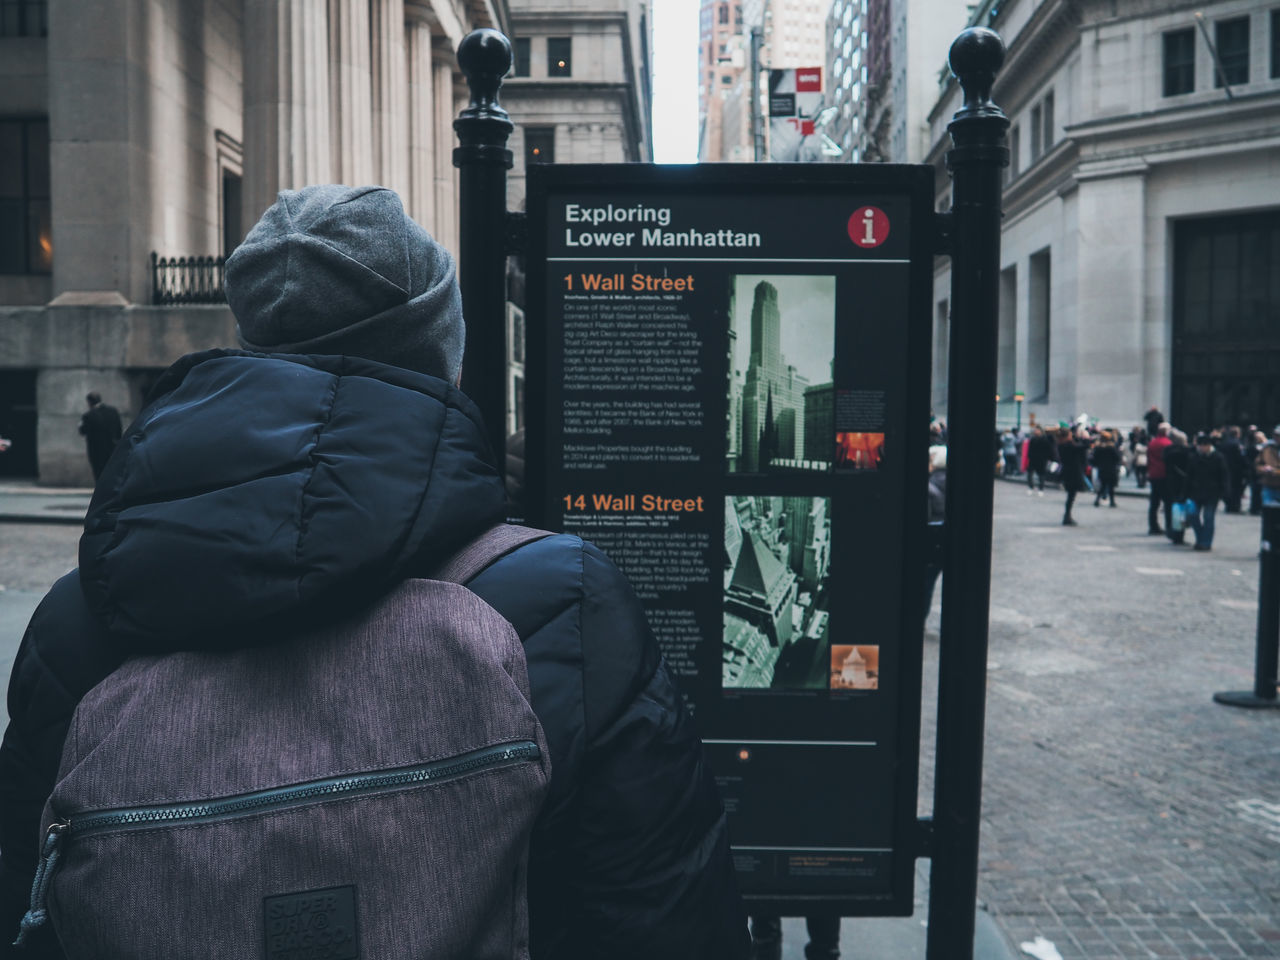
491, 546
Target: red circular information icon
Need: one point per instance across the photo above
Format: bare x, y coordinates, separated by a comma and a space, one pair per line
868, 227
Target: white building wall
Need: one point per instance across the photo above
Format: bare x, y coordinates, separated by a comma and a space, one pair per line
1125, 163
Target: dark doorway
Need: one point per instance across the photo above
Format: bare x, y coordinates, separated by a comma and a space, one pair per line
1226, 321
18, 423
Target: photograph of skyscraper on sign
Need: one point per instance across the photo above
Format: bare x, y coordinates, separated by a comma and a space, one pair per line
781, 395
776, 559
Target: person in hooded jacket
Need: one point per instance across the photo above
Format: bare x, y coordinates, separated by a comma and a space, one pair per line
265, 490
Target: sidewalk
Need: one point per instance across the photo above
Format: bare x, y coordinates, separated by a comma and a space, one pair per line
900, 938
25, 502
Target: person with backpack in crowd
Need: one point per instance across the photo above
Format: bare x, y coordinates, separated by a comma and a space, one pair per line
1208, 480
271, 504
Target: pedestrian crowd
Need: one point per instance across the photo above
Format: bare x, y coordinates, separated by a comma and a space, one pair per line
1187, 478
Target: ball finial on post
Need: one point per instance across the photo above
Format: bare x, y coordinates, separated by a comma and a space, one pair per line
484, 56
975, 58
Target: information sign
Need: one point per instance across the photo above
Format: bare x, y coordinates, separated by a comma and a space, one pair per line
735, 408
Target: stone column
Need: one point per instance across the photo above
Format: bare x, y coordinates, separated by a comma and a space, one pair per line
446, 206
421, 200
286, 99
350, 92
390, 93
100, 136
1110, 288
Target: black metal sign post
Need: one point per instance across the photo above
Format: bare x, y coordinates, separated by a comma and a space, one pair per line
1267, 656
642, 313
978, 132
483, 161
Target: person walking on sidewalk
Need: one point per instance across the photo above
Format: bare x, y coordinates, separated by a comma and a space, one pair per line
1039, 453
1106, 461
1232, 451
100, 427
1208, 480
1071, 453
1160, 442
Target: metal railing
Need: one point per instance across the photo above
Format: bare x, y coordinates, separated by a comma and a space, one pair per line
187, 280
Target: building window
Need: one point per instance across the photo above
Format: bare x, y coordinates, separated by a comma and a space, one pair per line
724, 13
1038, 299
559, 56
1179, 61
1035, 133
24, 18
1007, 333
1015, 150
1231, 37
26, 244
231, 231
521, 66
1275, 44
539, 145
1047, 116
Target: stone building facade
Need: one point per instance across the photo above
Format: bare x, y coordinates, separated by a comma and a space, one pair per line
1141, 233
137, 127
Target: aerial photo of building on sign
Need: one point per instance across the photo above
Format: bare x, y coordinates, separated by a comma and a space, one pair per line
781, 395
776, 625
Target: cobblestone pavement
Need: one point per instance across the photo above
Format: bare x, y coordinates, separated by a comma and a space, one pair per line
1126, 815
32, 557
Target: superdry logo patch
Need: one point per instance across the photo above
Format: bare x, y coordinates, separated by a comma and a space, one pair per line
312, 925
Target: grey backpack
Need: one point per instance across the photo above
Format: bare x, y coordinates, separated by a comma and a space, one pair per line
366, 790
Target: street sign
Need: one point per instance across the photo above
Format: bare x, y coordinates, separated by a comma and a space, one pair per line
734, 406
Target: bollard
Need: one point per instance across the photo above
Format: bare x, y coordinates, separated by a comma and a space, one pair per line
979, 152
1267, 657
484, 56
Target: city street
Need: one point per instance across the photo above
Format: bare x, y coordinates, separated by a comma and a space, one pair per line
1126, 815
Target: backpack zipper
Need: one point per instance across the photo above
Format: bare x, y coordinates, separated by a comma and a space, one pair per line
141, 818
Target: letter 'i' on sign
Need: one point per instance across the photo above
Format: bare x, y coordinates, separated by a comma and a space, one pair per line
868, 227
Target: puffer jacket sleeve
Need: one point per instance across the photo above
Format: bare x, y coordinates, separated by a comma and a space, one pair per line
649, 870
62, 656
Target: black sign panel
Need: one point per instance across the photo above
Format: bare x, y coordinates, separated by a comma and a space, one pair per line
729, 395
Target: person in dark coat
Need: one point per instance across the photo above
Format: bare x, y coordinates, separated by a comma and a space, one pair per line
1153, 418
1106, 461
262, 492
1072, 450
1177, 466
1233, 455
1039, 453
1208, 480
100, 427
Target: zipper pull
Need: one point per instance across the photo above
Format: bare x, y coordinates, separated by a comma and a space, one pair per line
38, 912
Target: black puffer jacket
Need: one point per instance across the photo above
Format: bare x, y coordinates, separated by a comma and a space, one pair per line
255, 495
